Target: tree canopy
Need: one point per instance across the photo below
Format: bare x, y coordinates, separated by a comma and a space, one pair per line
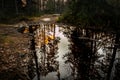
102, 13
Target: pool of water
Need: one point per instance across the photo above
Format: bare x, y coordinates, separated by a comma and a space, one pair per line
63, 69
57, 52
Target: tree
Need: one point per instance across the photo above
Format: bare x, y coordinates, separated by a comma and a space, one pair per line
50, 6
91, 13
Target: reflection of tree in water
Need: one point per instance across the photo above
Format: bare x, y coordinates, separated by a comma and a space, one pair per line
86, 59
89, 57
50, 64
82, 54
48, 49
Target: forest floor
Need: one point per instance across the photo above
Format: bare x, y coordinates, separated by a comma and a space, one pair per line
13, 48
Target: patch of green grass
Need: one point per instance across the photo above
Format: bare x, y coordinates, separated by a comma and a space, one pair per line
14, 19
2, 38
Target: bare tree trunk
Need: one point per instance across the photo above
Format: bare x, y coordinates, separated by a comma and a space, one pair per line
54, 2
113, 57
2, 4
43, 5
62, 6
39, 5
16, 7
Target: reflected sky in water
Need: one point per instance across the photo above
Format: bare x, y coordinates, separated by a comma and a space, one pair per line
102, 42
64, 69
